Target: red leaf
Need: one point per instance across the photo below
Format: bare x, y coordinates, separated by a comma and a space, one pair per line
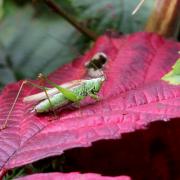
132, 96
71, 176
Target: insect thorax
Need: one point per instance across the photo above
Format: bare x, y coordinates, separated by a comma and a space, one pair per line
89, 87
94, 85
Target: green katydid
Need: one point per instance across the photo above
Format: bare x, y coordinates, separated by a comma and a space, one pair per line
73, 91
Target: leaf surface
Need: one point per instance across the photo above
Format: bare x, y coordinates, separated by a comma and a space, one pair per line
132, 96
71, 176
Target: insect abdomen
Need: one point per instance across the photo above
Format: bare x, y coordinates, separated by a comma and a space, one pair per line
57, 101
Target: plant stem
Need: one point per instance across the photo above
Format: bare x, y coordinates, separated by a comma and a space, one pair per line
51, 4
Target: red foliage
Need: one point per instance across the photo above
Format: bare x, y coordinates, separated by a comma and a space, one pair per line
71, 176
132, 96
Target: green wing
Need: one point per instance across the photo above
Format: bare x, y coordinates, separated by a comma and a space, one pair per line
173, 77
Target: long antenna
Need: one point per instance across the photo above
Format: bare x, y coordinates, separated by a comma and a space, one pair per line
12, 107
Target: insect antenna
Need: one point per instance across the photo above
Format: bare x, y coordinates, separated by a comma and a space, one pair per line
12, 107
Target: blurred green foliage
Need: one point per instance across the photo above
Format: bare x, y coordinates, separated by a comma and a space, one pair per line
34, 39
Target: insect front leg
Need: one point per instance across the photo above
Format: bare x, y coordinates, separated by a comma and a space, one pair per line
44, 89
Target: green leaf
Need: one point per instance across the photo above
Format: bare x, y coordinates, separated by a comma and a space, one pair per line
173, 77
1, 9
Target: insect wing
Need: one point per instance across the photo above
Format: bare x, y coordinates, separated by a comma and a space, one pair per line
52, 91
